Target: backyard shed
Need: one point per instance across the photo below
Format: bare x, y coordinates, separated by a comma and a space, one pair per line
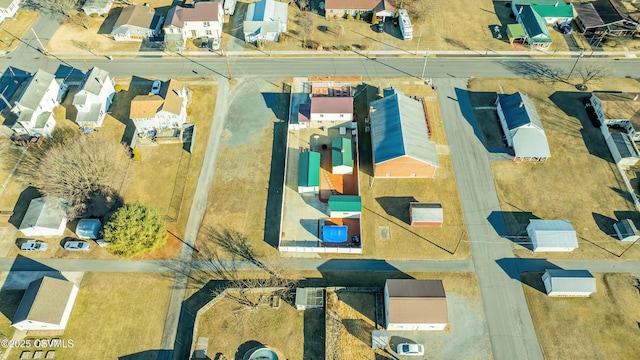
46, 216
88, 228
46, 305
626, 230
552, 235
624, 152
309, 172
309, 298
415, 305
522, 127
345, 206
99, 7
559, 282
426, 214
341, 156
400, 138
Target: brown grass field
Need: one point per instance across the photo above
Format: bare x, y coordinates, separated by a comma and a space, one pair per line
18, 27
603, 326
579, 183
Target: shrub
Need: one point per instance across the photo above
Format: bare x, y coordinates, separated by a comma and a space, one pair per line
94, 15
349, 16
358, 16
118, 87
134, 229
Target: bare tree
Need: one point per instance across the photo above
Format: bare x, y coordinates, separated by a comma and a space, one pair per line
306, 21
80, 19
591, 71
340, 30
63, 7
303, 4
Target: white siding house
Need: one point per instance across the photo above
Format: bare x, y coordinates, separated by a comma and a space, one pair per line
167, 110
136, 23
265, 20
331, 110
100, 7
46, 305
552, 235
8, 9
621, 108
35, 104
569, 282
415, 305
204, 19
93, 98
46, 216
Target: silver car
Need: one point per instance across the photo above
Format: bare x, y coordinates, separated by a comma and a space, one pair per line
33, 245
410, 349
76, 245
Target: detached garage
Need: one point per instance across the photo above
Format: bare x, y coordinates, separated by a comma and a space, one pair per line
552, 235
426, 214
415, 305
46, 216
569, 282
46, 305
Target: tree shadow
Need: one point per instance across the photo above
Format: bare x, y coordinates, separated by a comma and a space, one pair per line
605, 224
512, 225
275, 192
397, 206
21, 206
571, 103
456, 43
232, 242
535, 70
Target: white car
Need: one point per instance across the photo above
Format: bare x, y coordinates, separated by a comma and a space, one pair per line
155, 87
410, 349
33, 245
76, 245
215, 43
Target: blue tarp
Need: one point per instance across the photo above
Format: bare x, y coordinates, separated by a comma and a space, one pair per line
335, 234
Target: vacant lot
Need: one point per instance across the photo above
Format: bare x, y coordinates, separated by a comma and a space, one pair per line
603, 326
385, 202
579, 183
15, 29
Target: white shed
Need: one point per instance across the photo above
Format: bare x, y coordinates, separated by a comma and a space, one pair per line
46, 305
309, 298
552, 235
46, 216
415, 305
626, 230
559, 282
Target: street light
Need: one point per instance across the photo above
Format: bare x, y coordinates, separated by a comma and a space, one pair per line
424, 68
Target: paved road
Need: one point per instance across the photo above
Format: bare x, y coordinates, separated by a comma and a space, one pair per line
510, 326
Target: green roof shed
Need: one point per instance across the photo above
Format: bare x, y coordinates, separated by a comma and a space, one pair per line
345, 203
309, 169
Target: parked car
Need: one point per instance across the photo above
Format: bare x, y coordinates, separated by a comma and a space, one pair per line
593, 117
155, 87
215, 43
410, 349
76, 245
33, 245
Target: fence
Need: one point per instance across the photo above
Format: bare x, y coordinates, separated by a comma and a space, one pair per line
313, 249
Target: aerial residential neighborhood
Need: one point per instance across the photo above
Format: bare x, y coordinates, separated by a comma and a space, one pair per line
304, 179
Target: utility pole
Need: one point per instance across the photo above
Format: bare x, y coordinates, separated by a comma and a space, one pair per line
226, 58
424, 68
575, 64
44, 51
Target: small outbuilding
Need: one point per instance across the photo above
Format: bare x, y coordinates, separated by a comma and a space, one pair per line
626, 230
415, 305
46, 305
309, 298
46, 216
88, 228
426, 214
522, 127
309, 172
624, 150
345, 206
552, 235
99, 7
559, 282
341, 156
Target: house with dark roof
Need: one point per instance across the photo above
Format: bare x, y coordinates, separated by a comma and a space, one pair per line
8, 9
617, 19
136, 23
552, 235
415, 305
341, 8
309, 172
559, 282
167, 110
400, 138
93, 98
45, 216
534, 25
45, 305
265, 20
522, 127
35, 104
204, 20
426, 214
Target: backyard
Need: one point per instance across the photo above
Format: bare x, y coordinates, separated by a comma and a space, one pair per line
602, 326
558, 187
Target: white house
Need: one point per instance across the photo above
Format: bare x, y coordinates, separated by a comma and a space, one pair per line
93, 98
167, 110
568, 282
46, 216
136, 23
204, 19
100, 7
8, 9
552, 235
35, 104
522, 127
415, 305
46, 305
265, 20
330, 111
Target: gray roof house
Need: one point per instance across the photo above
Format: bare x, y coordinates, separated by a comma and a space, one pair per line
35, 104
93, 98
522, 127
136, 22
99, 7
46, 305
552, 235
626, 230
559, 282
265, 20
400, 138
46, 216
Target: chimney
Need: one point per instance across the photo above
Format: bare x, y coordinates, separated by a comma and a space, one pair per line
521, 104
342, 149
635, 97
556, 5
99, 81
